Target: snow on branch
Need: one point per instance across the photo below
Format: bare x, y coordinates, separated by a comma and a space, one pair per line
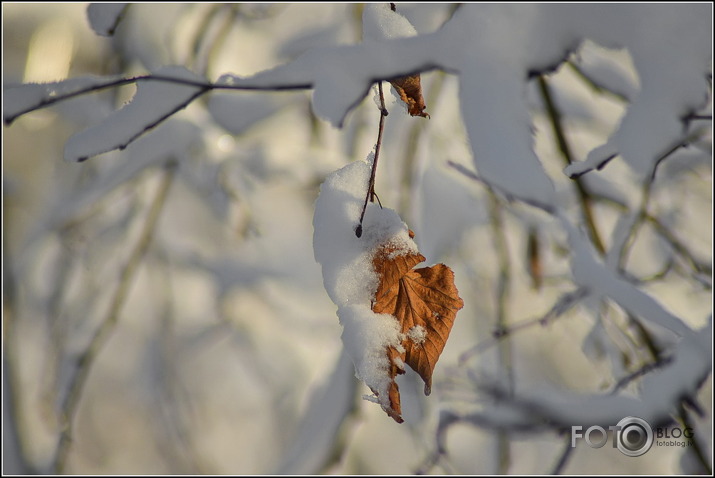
23, 99
662, 389
589, 272
526, 39
152, 104
104, 17
495, 69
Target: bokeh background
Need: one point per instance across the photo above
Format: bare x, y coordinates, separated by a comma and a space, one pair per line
223, 352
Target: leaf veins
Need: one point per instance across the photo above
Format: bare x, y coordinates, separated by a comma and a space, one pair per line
425, 301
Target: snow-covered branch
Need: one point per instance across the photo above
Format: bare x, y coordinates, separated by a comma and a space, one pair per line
664, 386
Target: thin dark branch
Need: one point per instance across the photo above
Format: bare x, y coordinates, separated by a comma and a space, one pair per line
45, 102
564, 457
622, 383
565, 303
700, 454
547, 208
153, 124
601, 164
371, 184
696, 117
381, 128
678, 246
666, 155
202, 85
646, 190
585, 199
669, 236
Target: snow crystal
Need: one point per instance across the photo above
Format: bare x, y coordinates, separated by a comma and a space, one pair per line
417, 334
348, 273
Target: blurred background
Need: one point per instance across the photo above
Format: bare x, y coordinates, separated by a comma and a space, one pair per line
162, 310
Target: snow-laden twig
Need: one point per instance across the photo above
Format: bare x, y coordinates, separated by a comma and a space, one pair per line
538, 415
662, 389
560, 307
23, 99
584, 198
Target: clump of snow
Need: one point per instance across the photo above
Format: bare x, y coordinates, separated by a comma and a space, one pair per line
380, 23
366, 335
348, 273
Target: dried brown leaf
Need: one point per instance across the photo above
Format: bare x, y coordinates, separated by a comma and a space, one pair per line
425, 301
410, 90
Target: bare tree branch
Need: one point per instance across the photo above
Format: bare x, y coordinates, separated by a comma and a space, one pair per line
203, 86
585, 199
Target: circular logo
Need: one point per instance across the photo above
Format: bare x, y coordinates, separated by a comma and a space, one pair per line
634, 437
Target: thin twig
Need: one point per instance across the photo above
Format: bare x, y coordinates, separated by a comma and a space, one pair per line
153, 124
669, 236
88, 357
204, 86
699, 453
599, 166
585, 200
565, 303
564, 457
584, 197
646, 191
547, 208
677, 245
647, 368
371, 184
696, 117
